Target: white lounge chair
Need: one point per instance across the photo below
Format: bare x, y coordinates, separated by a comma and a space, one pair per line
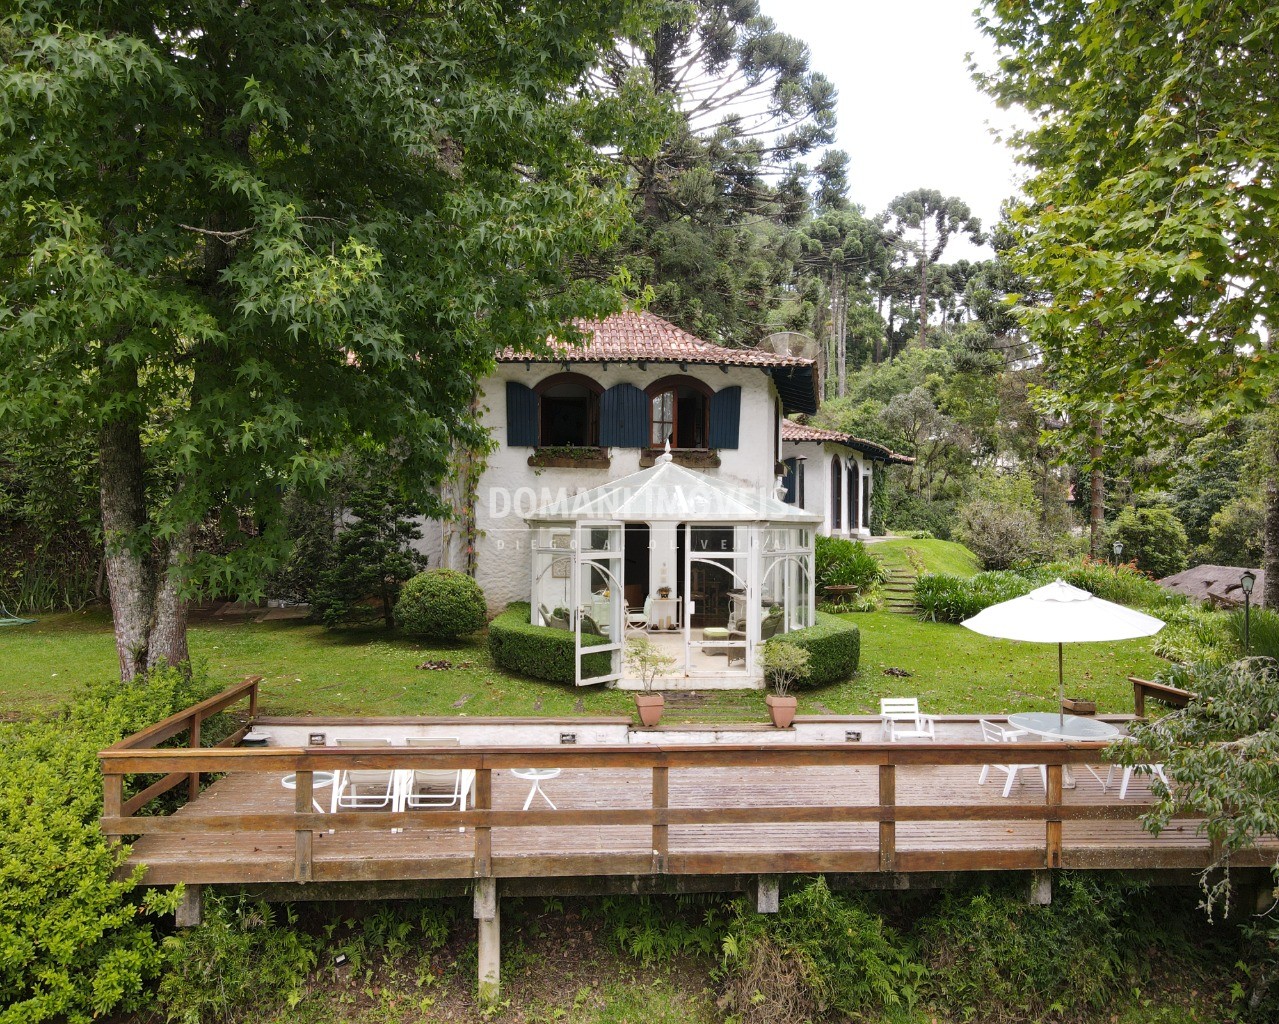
364, 787
991, 732
901, 719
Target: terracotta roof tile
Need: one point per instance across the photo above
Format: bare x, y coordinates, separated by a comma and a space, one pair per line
634, 336
792, 431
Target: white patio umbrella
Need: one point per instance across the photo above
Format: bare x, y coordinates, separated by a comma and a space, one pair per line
1061, 614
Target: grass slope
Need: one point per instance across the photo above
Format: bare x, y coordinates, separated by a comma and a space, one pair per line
310, 670
937, 555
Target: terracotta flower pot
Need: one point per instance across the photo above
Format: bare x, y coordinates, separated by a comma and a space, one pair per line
649, 706
781, 710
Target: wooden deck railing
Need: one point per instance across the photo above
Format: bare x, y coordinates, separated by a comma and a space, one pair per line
189, 721
887, 811
1162, 692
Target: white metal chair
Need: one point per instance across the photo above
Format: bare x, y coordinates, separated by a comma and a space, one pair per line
901, 719
636, 620
364, 787
992, 732
1144, 769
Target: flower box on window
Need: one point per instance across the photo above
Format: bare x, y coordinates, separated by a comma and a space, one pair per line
689, 458
569, 457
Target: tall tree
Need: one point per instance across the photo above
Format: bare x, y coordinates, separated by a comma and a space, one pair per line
930, 219
1152, 217
712, 205
235, 236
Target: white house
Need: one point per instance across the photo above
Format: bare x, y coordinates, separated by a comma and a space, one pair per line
829, 472
639, 477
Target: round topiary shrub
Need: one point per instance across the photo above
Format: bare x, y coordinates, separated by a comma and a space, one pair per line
442, 604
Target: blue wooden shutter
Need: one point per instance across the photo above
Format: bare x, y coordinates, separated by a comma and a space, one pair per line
624, 417
726, 411
790, 480
521, 416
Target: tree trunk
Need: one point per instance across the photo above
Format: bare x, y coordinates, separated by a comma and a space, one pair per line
923, 285
1270, 564
1097, 495
149, 615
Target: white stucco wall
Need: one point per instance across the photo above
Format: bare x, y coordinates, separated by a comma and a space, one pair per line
818, 457
510, 488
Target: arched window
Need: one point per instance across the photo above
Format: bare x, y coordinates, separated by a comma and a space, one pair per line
836, 495
853, 477
679, 411
568, 411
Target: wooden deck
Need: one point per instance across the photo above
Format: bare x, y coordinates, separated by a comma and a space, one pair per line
211, 847
634, 810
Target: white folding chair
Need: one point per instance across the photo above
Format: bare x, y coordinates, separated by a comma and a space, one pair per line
1143, 769
364, 787
991, 732
901, 719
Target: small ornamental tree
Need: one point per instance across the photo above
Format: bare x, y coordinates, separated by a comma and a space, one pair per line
442, 604
371, 553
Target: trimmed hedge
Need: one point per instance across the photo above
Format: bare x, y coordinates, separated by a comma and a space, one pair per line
834, 648
539, 651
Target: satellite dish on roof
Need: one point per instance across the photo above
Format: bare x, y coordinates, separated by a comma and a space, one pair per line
791, 343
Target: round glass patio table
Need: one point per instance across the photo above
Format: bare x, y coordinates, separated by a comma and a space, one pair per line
1052, 726
319, 780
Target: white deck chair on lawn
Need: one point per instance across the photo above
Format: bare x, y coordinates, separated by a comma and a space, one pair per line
364, 787
900, 719
993, 733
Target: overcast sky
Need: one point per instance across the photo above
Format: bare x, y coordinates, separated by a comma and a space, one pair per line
909, 114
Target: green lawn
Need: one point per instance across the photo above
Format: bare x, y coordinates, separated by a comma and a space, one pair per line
310, 670
937, 555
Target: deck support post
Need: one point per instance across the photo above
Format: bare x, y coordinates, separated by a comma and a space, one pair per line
768, 889
488, 919
1041, 888
188, 913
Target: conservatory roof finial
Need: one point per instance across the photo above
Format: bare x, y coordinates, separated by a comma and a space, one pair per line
666, 456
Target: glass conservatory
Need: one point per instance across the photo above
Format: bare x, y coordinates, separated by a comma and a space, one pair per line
708, 570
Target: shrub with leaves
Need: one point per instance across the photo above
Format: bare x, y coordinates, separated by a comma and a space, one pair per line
76, 942
442, 604
993, 957
1195, 636
845, 563
941, 597
1000, 535
822, 953
1153, 538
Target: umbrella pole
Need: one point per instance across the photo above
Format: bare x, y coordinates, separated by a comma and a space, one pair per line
1061, 693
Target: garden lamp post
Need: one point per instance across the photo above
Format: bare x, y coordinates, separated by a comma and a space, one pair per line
1246, 582
1118, 549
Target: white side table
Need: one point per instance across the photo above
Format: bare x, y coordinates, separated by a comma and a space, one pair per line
319, 780
536, 776
663, 613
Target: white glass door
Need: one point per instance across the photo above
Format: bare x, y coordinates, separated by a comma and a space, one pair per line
598, 603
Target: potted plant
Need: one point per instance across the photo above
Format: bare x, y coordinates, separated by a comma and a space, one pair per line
783, 664
648, 661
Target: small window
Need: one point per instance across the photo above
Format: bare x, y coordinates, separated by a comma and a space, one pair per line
568, 411
680, 413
